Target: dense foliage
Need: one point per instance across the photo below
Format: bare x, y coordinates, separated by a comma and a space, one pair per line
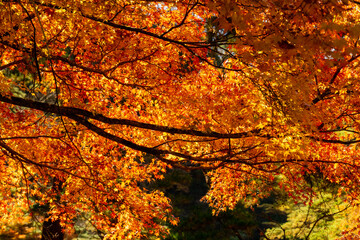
99, 98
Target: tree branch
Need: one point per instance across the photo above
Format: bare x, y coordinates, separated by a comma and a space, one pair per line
73, 112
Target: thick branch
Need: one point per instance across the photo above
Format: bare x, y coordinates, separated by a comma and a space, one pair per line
73, 112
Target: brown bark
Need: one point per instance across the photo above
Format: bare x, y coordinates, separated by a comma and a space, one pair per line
52, 230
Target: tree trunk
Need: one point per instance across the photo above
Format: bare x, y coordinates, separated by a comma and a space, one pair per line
52, 230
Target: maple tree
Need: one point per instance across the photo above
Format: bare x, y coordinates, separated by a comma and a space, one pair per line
98, 97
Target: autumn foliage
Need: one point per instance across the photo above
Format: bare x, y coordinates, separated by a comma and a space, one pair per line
99, 98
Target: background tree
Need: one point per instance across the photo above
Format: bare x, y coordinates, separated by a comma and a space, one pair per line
136, 78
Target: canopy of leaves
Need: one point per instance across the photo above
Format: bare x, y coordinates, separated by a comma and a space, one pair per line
246, 90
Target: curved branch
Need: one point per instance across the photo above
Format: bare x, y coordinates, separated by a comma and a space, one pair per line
73, 112
324, 216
